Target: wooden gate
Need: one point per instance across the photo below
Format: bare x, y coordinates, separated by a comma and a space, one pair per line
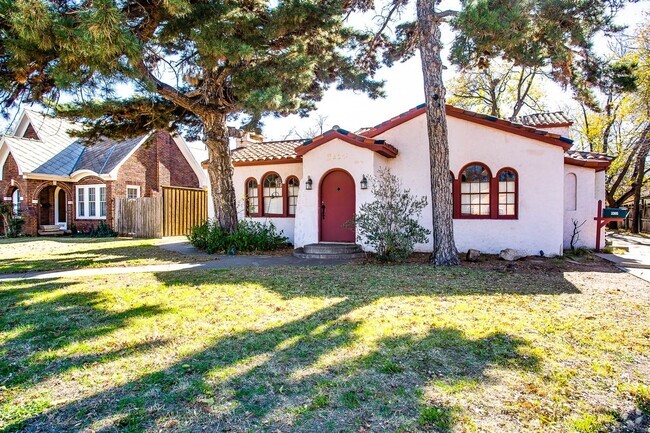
183, 208
140, 217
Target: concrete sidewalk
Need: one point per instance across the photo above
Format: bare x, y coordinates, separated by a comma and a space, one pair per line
636, 261
183, 247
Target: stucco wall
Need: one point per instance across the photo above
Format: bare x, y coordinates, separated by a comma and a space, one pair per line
541, 222
539, 226
285, 224
335, 154
590, 189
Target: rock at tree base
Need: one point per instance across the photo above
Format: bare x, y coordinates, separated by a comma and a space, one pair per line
473, 255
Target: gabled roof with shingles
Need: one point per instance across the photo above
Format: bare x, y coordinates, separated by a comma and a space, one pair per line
57, 152
544, 120
267, 151
105, 155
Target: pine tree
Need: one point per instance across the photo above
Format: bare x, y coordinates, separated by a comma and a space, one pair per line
551, 35
193, 64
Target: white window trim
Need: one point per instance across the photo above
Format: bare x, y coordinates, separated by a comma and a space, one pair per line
128, 187
87, 202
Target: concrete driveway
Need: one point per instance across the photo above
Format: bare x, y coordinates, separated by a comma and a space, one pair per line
636, 261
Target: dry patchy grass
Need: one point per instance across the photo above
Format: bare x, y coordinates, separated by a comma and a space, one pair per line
355, 348
47, 254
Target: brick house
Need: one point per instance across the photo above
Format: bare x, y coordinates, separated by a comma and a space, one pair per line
54, 179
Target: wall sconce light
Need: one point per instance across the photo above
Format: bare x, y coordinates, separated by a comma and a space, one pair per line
309, 183
364, 182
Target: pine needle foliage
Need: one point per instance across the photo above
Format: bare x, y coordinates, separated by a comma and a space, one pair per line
194, 64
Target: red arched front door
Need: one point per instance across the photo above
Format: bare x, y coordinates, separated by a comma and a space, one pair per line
337, 194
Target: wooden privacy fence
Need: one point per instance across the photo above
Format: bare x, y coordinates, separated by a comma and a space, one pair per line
645, 217
183, 208
140, 217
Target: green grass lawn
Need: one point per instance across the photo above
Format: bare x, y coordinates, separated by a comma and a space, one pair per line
360, 348
40, 254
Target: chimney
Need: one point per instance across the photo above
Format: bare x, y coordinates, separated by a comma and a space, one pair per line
244, 138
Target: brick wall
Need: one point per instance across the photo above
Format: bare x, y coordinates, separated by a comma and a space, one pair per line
159, 162
85, 224
173, 167
39, 213
140, 170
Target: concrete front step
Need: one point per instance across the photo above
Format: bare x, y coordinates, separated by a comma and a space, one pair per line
58, 232
51, 230
330, 250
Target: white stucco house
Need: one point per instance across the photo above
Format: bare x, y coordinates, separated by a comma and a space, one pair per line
516, 184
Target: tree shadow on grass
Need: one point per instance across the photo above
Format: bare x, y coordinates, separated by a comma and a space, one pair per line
95, 257
38, 328
311, 373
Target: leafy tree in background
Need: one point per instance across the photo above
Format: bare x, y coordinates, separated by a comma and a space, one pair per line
193, 65
554, 35
617, 120
501, 90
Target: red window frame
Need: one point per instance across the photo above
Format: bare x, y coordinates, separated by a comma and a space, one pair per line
516, 194
494, 194
288, 197
283, 190
460, 193
248, 212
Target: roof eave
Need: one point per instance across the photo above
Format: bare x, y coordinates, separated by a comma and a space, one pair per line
493, 122
596, 165
385, 149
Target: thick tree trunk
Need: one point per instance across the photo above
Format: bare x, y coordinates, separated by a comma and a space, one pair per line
444, 249
220, 170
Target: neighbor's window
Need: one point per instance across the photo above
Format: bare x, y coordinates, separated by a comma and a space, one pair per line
132, 192
91, 201
15, 201
293, 186
252, 198
507, 193
475, 191
272, 192
102, 201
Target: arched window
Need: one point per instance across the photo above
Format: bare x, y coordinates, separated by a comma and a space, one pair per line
272, 193
293, 186
475, 191
507, 179
15, 201
252, 198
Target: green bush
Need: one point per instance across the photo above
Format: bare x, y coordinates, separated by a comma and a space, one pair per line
13, 224
103, 230
249, 236
390, 223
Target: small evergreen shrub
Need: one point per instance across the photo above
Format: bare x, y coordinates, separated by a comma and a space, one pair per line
13, 224
103, 230
390, 222
249, 236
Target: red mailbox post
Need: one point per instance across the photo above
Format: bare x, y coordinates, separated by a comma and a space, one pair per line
602, 222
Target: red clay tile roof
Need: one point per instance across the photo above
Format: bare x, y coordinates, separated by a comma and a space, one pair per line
379, 146
599, 161
544, 120
270, 151
471, 116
